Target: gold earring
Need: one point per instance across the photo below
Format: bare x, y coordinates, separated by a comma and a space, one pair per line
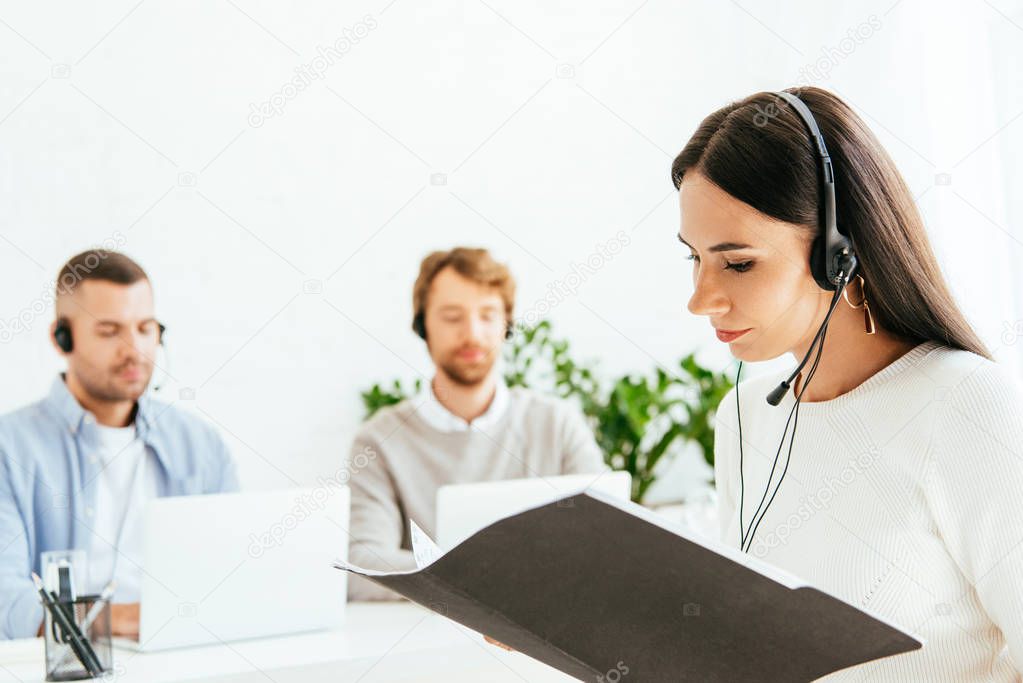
868, 318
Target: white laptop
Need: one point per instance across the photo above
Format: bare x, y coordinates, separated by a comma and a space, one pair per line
226, 567
464, 509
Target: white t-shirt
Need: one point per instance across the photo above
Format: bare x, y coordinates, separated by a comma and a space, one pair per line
126, 482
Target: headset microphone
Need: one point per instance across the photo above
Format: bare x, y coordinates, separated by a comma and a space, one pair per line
775, 397
166, 360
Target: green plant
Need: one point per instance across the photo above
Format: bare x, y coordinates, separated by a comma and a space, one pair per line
377, 397
639, 421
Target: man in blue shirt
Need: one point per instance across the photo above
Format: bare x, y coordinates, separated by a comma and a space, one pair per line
77, 467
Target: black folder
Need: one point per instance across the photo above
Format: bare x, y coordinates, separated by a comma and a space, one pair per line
590, 585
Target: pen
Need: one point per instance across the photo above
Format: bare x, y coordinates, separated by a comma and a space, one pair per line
78, 643
92, 614
97, 606
65, 593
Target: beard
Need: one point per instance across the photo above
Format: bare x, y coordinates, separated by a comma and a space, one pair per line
109, 386
467, 374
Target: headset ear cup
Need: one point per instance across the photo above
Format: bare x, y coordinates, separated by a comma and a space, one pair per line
419, 325
62, 335
818, 264
854, 264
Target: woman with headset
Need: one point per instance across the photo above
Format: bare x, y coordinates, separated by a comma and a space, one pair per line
903, 491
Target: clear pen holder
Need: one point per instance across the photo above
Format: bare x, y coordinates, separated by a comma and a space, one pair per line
62, 663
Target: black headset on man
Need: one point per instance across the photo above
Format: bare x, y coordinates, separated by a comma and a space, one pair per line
62, 334
832, 263
419, 325
65, 342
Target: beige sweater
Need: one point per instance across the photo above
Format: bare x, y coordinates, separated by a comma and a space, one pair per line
904, 497
404, 453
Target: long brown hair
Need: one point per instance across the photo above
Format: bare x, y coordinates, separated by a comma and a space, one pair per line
758, 151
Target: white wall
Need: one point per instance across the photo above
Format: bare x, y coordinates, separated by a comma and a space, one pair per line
554, 125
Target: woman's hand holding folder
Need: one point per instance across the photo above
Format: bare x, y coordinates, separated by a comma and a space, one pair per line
497, 643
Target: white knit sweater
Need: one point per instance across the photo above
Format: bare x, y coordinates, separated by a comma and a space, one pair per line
903, 497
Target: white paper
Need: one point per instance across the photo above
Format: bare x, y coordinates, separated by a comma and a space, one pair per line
423, 548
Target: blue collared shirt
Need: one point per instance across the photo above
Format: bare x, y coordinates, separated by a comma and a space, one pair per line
48, 486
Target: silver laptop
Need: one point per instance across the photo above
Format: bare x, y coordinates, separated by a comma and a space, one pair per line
464, 509
228, 567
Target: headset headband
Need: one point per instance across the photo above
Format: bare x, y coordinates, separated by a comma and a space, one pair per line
832, 256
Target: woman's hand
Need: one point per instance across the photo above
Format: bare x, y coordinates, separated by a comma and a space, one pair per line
497, 643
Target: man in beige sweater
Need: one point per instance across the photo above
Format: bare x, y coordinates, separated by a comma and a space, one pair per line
468, 427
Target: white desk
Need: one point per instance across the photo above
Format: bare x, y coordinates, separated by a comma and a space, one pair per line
378, 642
